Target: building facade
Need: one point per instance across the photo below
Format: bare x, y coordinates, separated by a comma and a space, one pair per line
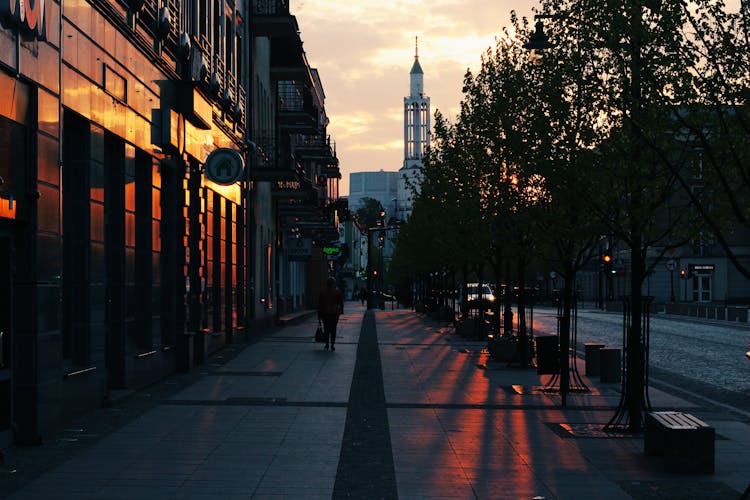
127, 250
381, 186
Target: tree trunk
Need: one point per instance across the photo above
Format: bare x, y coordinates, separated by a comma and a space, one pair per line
567, 306
522, 337
634, 357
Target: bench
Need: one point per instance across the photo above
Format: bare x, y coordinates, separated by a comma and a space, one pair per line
685, 442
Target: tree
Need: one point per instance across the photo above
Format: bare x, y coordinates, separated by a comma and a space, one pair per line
371, 212
631, 50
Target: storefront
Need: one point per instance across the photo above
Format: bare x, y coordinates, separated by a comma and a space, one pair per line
116, 252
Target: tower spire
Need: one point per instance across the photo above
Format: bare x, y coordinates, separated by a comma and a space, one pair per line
416, 47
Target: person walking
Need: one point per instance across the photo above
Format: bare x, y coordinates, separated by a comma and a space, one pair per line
330, 307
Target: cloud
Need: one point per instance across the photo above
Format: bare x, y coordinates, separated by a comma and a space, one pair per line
364, 51
362, 123
369, 146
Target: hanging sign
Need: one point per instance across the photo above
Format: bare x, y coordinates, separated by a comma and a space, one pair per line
224, 166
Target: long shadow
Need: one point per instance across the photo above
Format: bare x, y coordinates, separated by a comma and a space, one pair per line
365, 467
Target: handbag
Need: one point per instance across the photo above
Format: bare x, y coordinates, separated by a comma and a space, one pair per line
319, 335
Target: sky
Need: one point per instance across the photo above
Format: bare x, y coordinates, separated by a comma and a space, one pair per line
364, 51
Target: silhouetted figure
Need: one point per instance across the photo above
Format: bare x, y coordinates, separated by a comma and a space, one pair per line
330, 307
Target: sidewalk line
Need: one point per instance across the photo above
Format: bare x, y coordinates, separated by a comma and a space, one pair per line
366, 467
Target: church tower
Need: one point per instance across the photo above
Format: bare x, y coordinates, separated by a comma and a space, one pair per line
416, 137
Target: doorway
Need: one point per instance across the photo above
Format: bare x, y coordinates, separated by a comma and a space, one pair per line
702, 288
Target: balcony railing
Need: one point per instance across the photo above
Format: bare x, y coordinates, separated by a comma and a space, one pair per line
294, 97
271, 7
312, 141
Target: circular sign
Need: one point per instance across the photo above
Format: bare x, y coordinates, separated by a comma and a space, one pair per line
224, 166
671, 264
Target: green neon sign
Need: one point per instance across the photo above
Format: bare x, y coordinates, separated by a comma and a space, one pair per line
331, 250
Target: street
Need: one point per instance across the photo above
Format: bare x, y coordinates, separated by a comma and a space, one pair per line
706, 357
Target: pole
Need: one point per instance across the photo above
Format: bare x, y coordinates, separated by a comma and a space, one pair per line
671, 285
369, 269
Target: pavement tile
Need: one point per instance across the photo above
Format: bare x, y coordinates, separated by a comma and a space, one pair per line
273, 425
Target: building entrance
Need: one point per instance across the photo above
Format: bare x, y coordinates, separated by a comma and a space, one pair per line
702, 288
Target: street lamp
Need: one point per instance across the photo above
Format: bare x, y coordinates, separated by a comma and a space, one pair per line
634, 398
538, 40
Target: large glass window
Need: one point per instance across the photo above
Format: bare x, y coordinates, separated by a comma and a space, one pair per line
77, 212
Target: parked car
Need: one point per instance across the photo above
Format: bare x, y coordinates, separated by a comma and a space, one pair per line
476, 297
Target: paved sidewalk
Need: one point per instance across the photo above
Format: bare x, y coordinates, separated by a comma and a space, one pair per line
403, 408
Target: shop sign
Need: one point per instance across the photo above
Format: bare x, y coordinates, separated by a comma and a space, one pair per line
289, 189
331, 251
224, 166
298, 249
701, 269
28, 14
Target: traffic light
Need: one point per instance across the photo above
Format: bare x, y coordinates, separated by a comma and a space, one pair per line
607, 261
683, 274
374, 273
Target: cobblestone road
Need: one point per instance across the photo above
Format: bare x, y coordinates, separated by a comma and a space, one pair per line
707, 355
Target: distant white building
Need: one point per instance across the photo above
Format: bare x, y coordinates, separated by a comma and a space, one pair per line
416, 139
381, 186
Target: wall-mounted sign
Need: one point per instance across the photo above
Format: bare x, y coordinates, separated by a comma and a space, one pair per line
289, 189
331, 250
701, 268
28, 14
298, 248
224, 166
288, 185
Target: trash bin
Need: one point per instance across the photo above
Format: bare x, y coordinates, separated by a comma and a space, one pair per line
592, 357
547, 355
609, 359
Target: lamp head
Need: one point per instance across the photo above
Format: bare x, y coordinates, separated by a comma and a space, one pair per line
538, 40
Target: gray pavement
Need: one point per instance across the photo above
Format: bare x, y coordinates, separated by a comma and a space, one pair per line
431, 417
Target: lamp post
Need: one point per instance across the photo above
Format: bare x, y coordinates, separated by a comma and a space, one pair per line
634, 399
376, 273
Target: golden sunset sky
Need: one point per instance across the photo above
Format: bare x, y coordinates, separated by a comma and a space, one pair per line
364, 51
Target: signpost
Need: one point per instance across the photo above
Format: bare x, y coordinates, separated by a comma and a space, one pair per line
671, 265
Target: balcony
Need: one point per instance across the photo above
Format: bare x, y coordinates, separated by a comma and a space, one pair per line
306, 221
271, 18
314, 147
296, 109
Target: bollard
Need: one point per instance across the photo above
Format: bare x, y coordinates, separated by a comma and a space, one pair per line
592, 357
609, 364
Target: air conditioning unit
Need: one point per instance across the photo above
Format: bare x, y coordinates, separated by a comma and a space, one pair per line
185, 46
214, 85
237, 112
164, 25
198, 68
226, 100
